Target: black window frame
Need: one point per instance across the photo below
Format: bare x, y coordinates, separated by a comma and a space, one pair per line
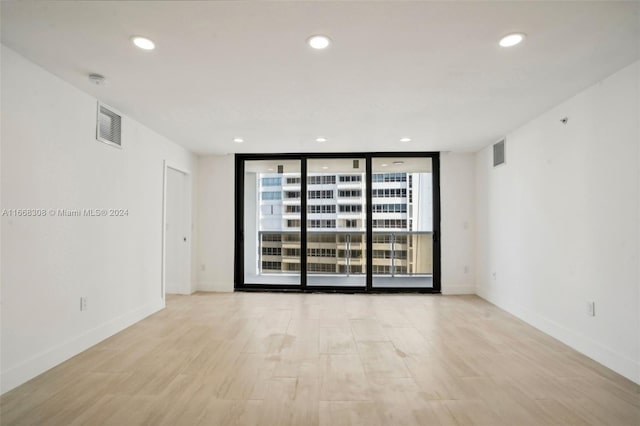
240, 285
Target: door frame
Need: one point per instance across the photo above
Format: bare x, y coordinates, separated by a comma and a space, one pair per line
165, 169
240, 285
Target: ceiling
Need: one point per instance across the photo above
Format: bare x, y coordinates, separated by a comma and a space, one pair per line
431, 71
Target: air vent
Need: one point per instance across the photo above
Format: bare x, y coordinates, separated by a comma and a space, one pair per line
498, 153
108, 126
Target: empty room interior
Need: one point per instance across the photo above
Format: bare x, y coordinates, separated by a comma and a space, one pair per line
320, 213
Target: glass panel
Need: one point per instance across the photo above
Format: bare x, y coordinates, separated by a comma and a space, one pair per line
402, 210
336, 221
272, 222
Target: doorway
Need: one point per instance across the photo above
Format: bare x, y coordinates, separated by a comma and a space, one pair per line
177, 235
357, 222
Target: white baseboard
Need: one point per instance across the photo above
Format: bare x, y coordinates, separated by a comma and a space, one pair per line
215, 287
48, 359
622, 365
458, 289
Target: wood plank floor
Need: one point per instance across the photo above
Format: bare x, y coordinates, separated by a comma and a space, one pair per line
324, 359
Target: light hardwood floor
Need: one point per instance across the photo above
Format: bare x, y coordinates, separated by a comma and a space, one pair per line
324, 359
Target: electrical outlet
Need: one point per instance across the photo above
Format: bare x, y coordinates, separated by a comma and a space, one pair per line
591, 308
83, 303
203, 267
466, 269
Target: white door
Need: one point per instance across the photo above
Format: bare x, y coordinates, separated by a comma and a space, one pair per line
177, 234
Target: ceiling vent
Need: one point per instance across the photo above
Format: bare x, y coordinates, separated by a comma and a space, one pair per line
498, 153
109, 126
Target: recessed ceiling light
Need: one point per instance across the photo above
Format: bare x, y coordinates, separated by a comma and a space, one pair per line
325, 167
384, 164
238, 140
405, 139
319, 41
143, 43
511, 39
321, 139
270, 169
398, 163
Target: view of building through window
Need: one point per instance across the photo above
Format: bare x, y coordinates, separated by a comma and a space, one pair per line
402, 223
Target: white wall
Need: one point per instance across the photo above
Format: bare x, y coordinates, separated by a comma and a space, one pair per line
216, 223
558, 224
457, 199
51, 160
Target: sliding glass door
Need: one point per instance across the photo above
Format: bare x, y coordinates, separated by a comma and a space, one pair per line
363, 222
402, 209
336, 222
271, 222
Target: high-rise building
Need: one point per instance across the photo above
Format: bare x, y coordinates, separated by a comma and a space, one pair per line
336, 223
